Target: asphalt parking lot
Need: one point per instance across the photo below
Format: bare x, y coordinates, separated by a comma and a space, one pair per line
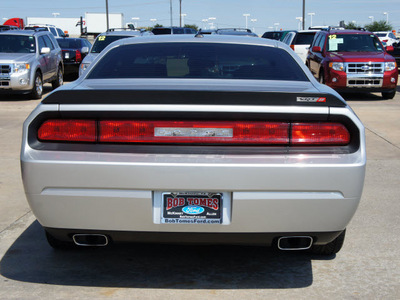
368, 266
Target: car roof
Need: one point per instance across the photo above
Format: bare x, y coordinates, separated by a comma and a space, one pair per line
347, 31
122, 32
24, 32
208, 38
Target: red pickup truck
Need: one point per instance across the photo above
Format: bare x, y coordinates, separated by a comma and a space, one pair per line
353, 61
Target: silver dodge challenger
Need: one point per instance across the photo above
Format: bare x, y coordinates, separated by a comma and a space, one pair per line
195, 139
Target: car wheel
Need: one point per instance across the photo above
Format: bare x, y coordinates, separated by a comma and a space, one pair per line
58, 244
37, 90
389, 95
59, 81
330, 248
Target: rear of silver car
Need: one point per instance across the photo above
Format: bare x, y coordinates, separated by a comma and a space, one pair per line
193, 160
266, 192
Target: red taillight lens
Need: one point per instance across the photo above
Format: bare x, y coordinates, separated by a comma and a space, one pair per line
78, 56
292, 46
68, 130
195, 132
385, 41
210, 132
319, 134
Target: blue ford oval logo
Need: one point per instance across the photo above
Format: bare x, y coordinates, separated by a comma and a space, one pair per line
193, 210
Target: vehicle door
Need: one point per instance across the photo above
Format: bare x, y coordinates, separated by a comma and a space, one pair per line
320, 56
53, 61
311, 56
43, 58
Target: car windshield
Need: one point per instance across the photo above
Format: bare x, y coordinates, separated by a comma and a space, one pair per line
17, 44
195, 60
69, 43
354, 43
158, 31
273, 35
105, 40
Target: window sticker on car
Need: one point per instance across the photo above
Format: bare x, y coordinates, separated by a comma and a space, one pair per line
332, 37
102, 38
333, 43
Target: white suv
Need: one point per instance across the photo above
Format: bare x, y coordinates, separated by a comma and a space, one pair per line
387, 37
300, 41
57, 32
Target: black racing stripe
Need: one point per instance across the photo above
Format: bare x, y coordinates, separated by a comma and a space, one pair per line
188, 98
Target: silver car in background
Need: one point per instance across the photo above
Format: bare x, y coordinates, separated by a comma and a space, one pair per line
195, 139
28, 59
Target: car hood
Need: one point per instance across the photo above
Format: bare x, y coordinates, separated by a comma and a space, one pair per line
358, 56
16, 57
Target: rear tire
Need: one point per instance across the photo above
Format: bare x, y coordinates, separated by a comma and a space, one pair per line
58, 244
37, 90
59, 81
330, 248
321, 77
389, 95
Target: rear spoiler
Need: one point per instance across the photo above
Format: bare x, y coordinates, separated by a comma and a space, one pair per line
191, 97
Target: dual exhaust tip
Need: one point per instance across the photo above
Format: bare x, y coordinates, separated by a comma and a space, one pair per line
285, 243
94, 240
288, 243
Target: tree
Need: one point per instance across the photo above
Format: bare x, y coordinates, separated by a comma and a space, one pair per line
195, 27
351, 25
379, 26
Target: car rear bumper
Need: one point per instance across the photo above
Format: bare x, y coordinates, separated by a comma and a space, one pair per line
120, 192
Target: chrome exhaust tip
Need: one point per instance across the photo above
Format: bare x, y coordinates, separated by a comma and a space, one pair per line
95, 240
288, 243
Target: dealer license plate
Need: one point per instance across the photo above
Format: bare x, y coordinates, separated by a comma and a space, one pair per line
191, 208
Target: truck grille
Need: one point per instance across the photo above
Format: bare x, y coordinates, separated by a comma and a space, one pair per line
364, 82
5, 69
364, 68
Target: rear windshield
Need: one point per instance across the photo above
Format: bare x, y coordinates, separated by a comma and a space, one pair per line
17, 44
381, 34
198, 60
273, 35
304, 38
69, 43
354, 43
105, 40
157, 31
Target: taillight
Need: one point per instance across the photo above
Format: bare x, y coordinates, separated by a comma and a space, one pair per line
385, 41
319, 134
68, 131
195, 132
210, 132
78, 56
292, 46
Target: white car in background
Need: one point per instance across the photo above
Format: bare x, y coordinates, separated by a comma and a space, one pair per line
300, 42
387, 37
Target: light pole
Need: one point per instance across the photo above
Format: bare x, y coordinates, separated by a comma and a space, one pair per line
311, 15
387, 17
183, 19
276, 26
253, 21
108, 25
211, 23
180, 13
246, 16
304, 13
205, 21
55, 14
300, 21
372, 18
170, 10
135, 19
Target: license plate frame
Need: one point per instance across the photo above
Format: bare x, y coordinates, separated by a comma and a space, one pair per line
192, 208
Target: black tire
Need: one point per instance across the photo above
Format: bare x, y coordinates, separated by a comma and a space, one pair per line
58, 244
37, 90
389, 95
330, 248
59, 81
